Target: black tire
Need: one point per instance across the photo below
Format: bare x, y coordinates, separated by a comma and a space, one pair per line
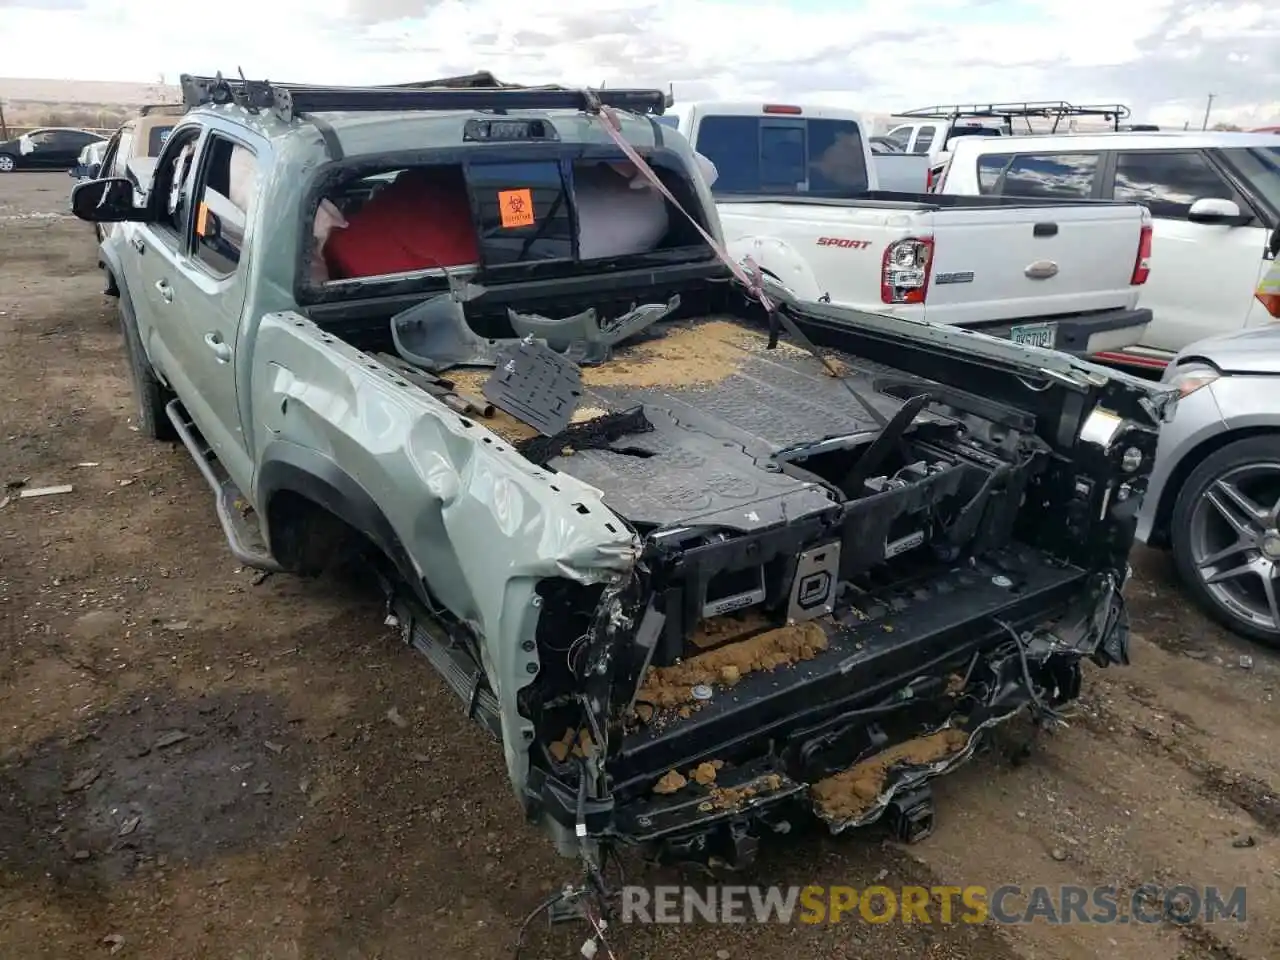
11, 165
1241, 453
151, 395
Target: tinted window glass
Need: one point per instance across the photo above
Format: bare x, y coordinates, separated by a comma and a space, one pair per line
782, 157
524, 211
1168, 183
753, 155
1059, 176
989, 169
156, 139
924, 140
226, 203
837, 166
733, 145
1260, 166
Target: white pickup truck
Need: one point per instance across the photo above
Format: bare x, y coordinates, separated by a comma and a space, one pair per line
797, 192
1214, 198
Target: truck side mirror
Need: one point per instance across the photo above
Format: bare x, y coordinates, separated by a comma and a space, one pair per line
1217, 211
109, 200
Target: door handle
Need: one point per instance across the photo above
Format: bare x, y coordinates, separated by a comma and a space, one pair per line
166, 291
138, 244
221, 352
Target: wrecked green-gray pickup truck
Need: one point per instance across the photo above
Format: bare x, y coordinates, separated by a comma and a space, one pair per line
702, 567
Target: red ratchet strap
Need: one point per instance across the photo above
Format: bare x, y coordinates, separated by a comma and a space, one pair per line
752, 280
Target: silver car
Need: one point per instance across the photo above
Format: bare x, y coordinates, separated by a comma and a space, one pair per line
1214, 494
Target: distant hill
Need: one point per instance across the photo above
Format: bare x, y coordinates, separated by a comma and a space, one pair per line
93, 104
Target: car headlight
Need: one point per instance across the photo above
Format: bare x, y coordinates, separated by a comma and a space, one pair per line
1191, 377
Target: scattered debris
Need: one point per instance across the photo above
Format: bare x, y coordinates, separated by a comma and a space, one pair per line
88, 463
394, 716
1058, 854
171, 738
82, 779
674, 685
129, 826
44, 491
276, 748
703, 773
177, 626
1246, 662
1196, 654
852, 792
260, 577
1242, 843
262, 789
81, 855
15, 484
671, 782
114, 941
129, 480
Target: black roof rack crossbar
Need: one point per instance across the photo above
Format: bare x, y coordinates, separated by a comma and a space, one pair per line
289, 100
1029, 108
1054, 110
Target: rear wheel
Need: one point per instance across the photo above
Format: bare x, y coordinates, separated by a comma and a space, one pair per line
150, 394
1226, 536
7, 163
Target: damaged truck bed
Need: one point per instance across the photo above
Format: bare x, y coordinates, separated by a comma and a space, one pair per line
703, 560
846, 574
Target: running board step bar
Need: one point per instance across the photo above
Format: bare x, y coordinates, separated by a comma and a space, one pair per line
451, 660
238, 520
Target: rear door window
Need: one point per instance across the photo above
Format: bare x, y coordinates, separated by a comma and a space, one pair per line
1051, 176
156, 139
990, 169
924, 139
766, 155
1167, 183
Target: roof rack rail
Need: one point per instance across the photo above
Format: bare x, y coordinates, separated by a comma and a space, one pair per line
166, 108
479, 91
1054, 110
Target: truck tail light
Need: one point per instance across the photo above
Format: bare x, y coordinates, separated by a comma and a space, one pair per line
905, 270
1270, 302
928, 181
783, 108
1142, 265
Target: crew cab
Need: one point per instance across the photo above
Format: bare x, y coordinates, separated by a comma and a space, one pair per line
1215, 202
704, 563
798, 193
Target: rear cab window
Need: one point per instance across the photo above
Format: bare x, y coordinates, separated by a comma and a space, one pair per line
771, 155
504, 220
1053, 176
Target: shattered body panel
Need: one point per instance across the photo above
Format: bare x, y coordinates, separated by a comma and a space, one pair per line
479, 523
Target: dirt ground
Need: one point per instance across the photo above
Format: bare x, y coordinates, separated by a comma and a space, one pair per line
196, 764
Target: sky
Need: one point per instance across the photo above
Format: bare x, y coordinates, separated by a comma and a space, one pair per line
1161, 57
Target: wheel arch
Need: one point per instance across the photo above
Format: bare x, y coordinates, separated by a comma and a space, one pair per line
292, 478
1160, 534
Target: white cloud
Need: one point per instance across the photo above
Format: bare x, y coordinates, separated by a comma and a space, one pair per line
1160, 56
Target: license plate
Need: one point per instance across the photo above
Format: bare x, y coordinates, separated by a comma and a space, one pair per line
1035, 334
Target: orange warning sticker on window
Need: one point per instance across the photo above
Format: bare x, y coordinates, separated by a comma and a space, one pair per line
202, 219
516, 207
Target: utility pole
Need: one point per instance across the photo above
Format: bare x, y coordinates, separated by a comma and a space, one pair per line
1207, 107
4, 130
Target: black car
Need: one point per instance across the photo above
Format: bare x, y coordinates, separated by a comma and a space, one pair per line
48, 148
